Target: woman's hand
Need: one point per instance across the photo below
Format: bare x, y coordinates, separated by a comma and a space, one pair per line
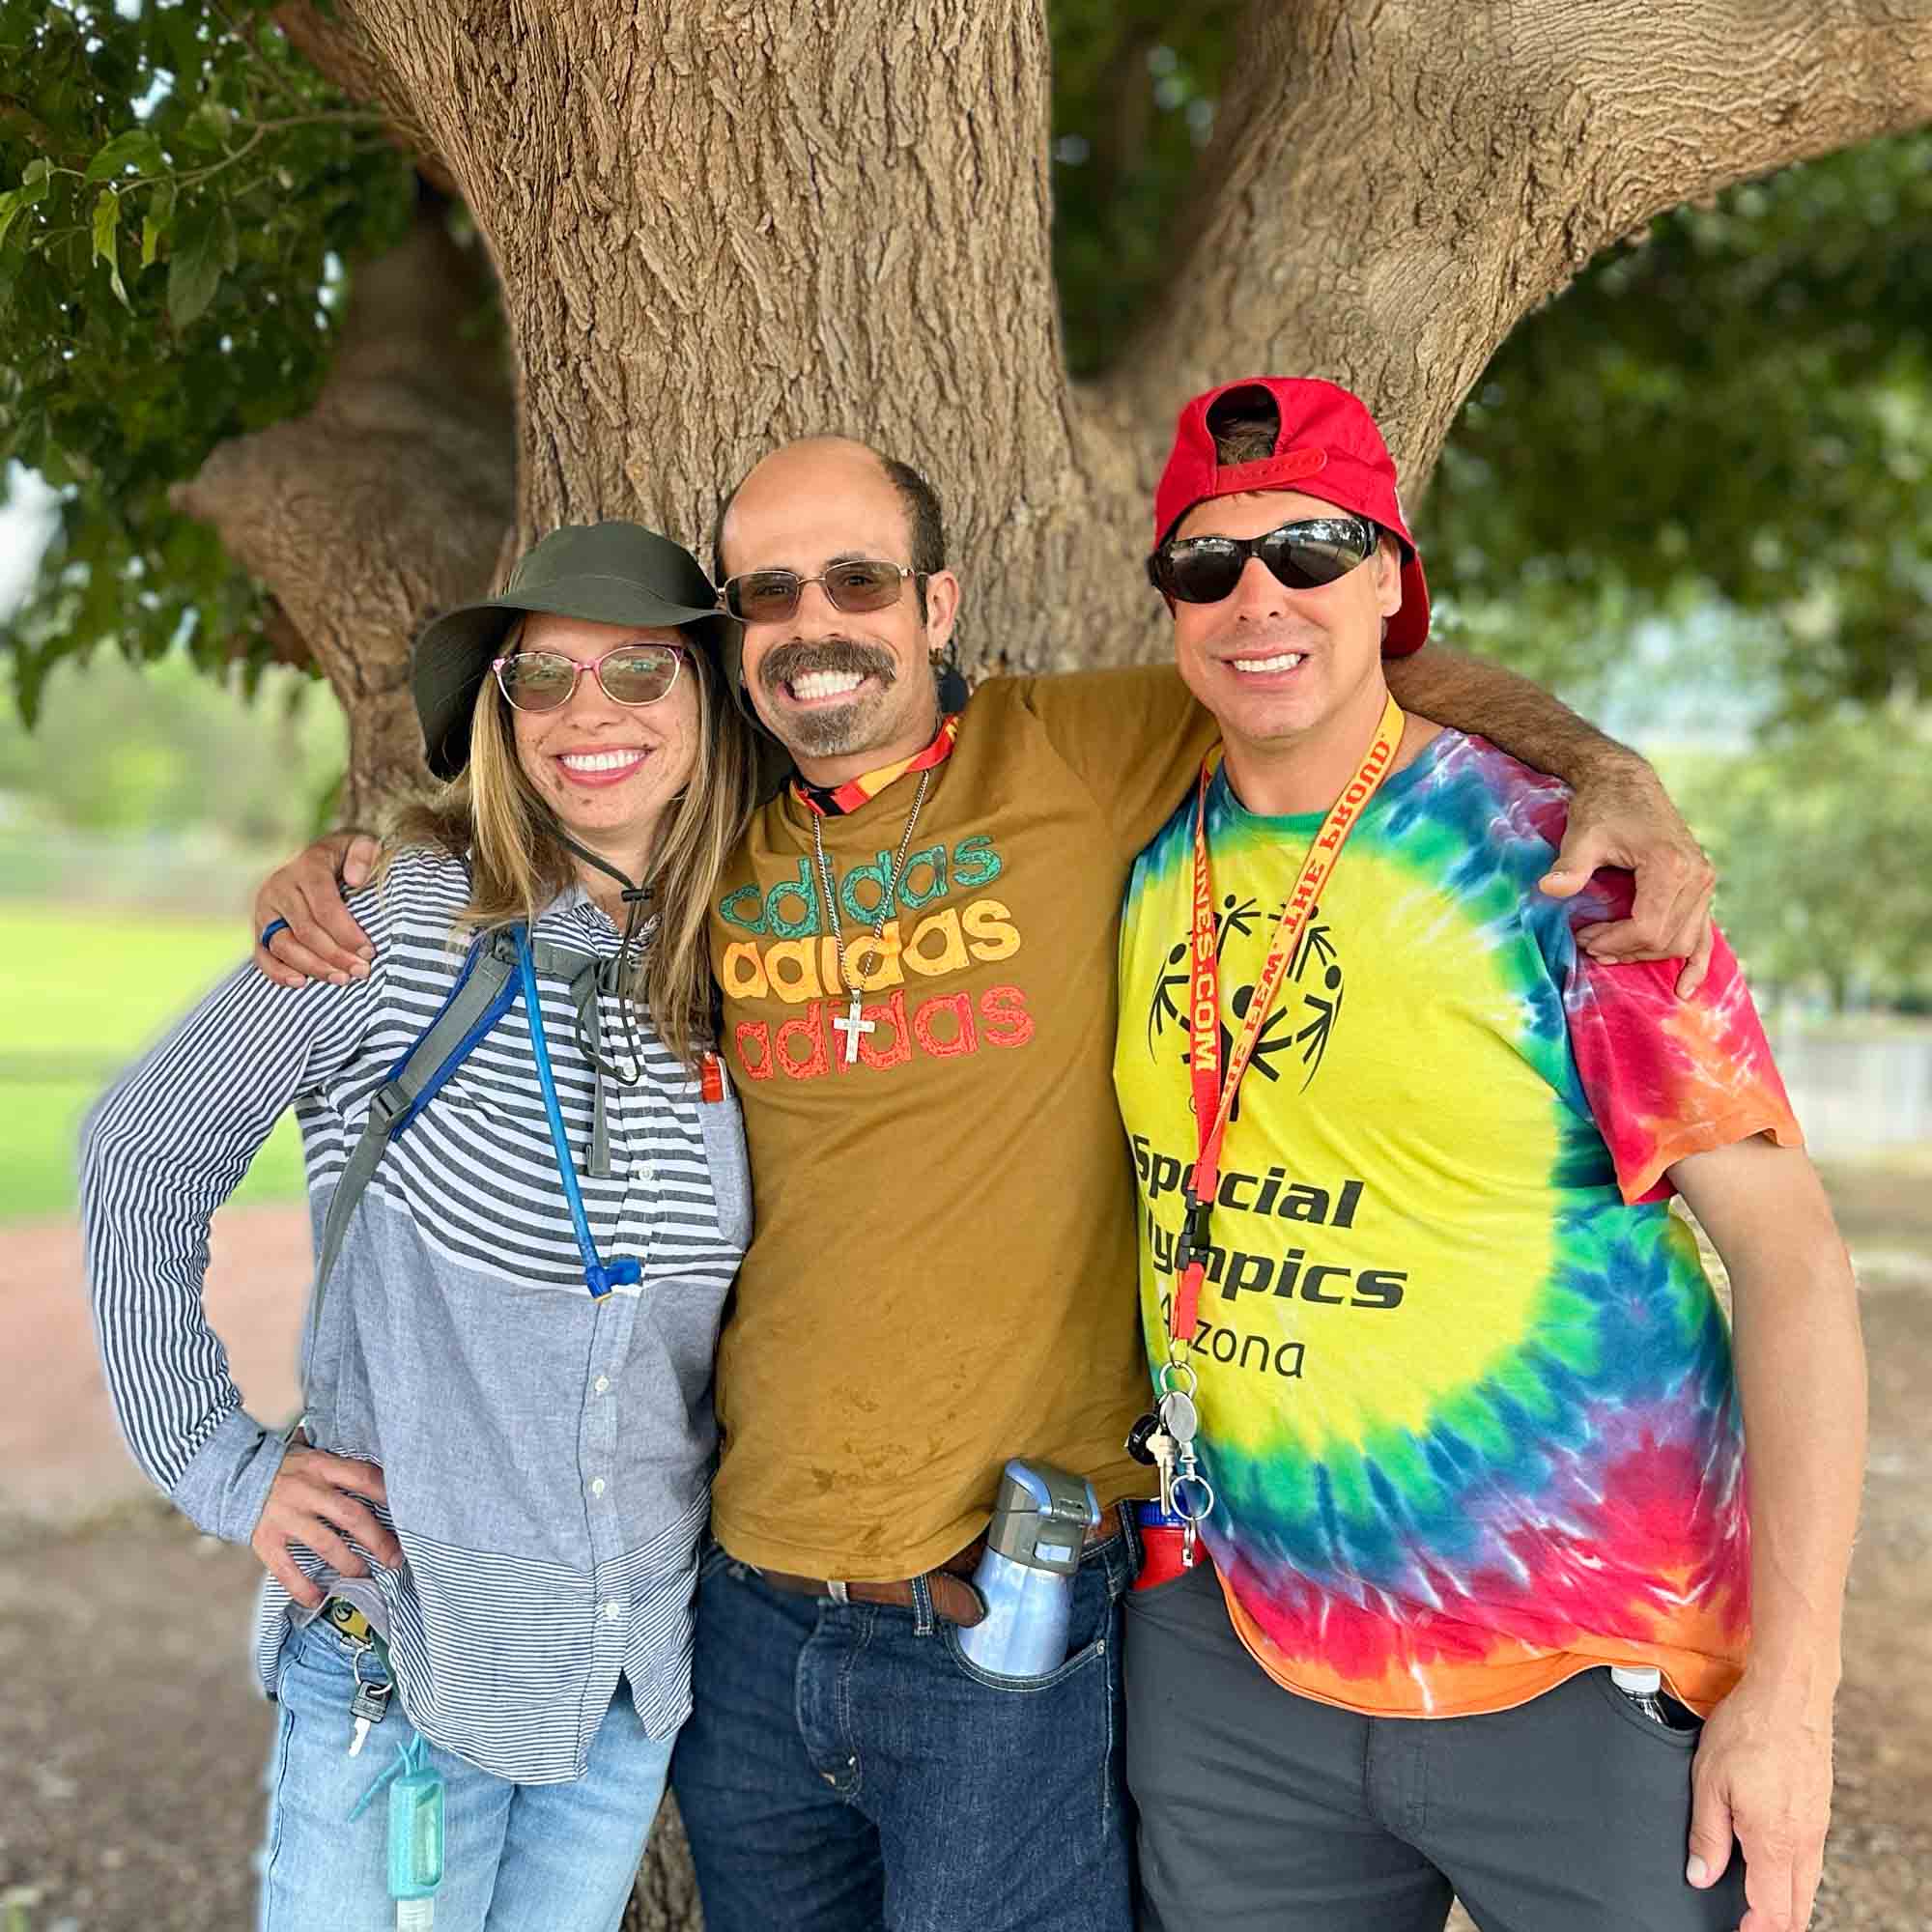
316, 1500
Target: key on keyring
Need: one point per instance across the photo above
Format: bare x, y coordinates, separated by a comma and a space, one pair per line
1165, 1451
369, 1707
1179, 1417
1136, 1444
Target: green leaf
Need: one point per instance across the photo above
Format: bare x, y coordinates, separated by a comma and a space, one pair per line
10, 204
38, 171
203, 239
158, 223
106, 221
106, 227
137, 149
30, 674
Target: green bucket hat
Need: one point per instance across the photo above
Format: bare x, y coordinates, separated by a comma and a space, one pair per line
613, 572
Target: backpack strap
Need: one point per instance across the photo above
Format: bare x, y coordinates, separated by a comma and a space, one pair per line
485, 990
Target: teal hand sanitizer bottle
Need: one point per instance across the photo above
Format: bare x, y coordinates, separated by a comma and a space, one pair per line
415, 1843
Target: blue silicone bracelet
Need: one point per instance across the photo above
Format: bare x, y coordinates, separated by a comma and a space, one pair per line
269, 931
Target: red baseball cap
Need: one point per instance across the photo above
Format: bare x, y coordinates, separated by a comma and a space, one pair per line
1328, 446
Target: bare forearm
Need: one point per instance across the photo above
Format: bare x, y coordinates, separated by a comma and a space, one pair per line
1475, 696
1800, 1369
1802, 1373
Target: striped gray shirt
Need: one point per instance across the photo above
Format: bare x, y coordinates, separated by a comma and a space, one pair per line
547, 1456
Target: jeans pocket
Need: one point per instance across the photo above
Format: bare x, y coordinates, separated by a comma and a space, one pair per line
1093, 1628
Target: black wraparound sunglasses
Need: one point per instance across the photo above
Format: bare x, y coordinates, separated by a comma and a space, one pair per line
1302, 555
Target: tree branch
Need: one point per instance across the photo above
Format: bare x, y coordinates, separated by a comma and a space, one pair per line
285, 643
388, 501
1395, 185
343, 54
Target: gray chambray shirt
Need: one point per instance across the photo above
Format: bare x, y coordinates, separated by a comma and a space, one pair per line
547, 1454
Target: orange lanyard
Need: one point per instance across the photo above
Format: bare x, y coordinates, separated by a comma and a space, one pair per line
1215, 1093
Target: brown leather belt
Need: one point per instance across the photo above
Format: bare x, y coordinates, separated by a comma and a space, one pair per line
953, 1596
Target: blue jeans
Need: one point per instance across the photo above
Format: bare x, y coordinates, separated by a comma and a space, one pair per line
517, 1858
847, 1768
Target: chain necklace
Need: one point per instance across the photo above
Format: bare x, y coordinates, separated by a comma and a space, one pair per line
851, 1025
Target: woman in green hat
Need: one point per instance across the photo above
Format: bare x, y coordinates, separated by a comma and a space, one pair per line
528, 1176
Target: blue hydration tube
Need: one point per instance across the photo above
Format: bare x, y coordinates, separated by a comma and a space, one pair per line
600, 1277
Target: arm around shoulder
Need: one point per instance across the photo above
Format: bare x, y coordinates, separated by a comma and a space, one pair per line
1621, 816
311, 932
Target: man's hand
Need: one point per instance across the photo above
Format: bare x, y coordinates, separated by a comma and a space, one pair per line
1625, 818
1763, 1775
321, 942
316, 1500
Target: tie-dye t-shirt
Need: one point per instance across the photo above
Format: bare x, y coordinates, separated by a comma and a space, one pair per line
1465, 1393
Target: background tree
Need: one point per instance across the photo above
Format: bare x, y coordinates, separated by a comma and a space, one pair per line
1821, 838
319, 314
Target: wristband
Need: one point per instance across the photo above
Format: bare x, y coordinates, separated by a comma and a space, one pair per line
269, 931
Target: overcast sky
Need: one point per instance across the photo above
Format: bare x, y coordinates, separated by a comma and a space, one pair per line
26, 522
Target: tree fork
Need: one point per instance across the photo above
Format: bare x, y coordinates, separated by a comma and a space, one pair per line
717, 227
389, 500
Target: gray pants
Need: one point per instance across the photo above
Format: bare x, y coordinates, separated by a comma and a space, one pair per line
1262, 1809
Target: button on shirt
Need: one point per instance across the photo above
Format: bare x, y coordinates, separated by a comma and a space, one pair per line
546, 1454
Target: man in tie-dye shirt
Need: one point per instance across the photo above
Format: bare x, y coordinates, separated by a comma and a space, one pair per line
1468, 1404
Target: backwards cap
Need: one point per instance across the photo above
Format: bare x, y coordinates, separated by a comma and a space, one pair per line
1328, 446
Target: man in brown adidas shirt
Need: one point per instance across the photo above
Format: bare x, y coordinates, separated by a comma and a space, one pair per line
942, 1272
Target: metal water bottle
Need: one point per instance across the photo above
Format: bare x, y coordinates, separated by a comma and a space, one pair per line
1040, 1520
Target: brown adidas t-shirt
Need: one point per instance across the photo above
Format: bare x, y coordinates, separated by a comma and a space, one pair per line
942, 1269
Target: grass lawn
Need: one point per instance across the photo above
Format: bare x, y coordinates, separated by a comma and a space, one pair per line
87, 993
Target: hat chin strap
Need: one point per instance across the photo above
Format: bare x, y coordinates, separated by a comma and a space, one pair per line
637, 896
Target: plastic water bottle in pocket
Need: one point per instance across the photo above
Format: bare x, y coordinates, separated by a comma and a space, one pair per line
1643, 1685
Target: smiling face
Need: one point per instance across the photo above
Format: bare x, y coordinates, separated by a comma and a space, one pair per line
607, 770
1276, 665
844, 691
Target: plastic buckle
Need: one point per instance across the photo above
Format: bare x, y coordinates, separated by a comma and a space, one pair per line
1192, 1245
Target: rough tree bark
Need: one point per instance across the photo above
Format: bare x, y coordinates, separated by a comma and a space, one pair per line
718, 223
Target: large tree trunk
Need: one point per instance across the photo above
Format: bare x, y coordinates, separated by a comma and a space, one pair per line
720, 223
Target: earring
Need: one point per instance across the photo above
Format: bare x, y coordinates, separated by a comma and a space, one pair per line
953, 689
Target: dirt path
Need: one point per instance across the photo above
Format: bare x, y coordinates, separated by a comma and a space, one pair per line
131, 1745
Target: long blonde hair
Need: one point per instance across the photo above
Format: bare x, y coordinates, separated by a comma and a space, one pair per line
491, 816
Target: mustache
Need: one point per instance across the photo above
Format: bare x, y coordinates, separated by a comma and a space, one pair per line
800, 658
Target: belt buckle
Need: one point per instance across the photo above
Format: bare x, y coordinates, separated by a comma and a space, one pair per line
837, 1589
